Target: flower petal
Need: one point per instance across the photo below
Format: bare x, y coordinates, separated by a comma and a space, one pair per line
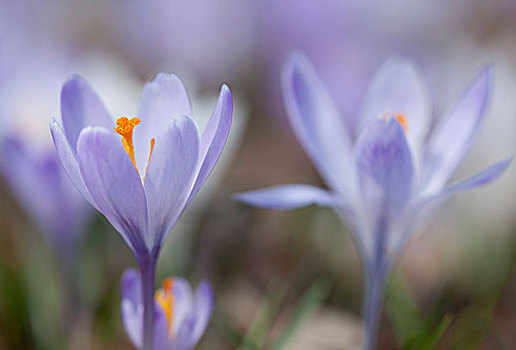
317, 123
397, 88
162, 339
163, 99
214, 137
114, 184
170, 175
384, 165
286, 197
182, 301
81, 107
132, 308
203, 308
69, 161
482, 178
452, 136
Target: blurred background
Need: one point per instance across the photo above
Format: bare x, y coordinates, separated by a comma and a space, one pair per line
282, 279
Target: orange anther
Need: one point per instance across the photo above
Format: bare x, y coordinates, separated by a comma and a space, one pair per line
124, 127
165, 298
400, 117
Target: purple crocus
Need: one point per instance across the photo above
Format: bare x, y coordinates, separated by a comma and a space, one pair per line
37, 180
180, 316
140, 185
387, 176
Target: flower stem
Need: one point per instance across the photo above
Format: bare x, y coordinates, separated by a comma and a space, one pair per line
372, 306
147, 270
376, 271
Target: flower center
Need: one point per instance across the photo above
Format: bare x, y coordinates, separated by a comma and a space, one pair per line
125, 127
400, 117
165, 298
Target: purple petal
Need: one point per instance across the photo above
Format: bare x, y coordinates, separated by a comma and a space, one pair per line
286, 197
163, 99
132, 308
182, 301
454, 132
114, 184
162, 339
171, 174
81, 107
397, 88
182, 339
317, 123
69, 162
482, 178
384, 166
203, 308
214, 137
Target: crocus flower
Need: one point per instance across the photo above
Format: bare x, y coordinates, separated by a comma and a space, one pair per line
141, 184
37, 180
180, 316
385, 180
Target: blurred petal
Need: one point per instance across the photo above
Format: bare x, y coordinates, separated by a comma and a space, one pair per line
453, 135
69, 162
482, 178
397, 88
285, 197
132, 308
170, 175
182, 301
384, 166
114, 184
183, 336
214, 137
161, 335
163, 99
317, 123
81, 107
203, 307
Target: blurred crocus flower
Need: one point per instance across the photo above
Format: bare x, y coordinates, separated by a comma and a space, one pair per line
180, 316
44, 191
388, 178
143, 185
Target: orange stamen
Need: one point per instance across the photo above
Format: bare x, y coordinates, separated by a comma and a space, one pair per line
400, 117
152, 142
165, 298
124, 127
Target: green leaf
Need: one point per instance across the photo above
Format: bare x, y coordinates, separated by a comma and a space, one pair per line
310, 302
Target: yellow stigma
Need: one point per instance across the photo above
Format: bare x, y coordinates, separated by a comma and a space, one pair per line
165, 298
124, 127
400, 117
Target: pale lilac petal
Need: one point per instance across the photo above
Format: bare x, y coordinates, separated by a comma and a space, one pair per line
163, 99
397, 88
182, 301
317, 123
453, 135
183, 337
203, 308
69, 162
286, 197
81, 107
132, 308
384, 166
170, 175
161, 338
214, 137
482, 178
114, 184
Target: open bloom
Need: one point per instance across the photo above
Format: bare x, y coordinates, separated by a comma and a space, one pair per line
180, 316
142, 172
387, 176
